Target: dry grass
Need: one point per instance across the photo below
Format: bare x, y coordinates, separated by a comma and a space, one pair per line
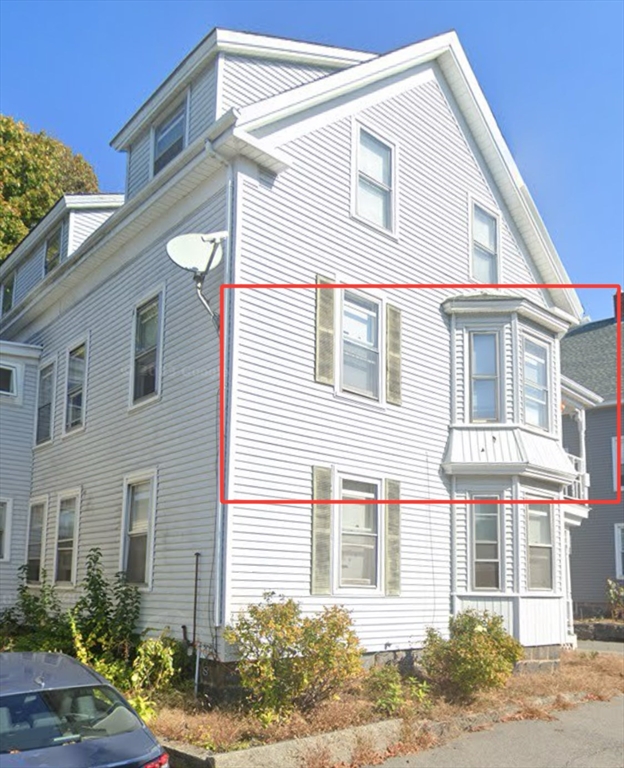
597, 677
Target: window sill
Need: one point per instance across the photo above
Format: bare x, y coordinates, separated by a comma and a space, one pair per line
64, 586
38, 446
74, 431
140, 404
361, 400
392, 234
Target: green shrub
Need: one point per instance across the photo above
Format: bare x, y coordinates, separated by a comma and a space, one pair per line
287, 660
383, 685
615, 596
479, 654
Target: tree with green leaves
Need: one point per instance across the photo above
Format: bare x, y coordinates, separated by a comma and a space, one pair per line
35, 171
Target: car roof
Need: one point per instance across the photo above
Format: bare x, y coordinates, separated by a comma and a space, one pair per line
28, 671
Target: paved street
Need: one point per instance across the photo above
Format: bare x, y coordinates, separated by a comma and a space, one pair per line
591, 736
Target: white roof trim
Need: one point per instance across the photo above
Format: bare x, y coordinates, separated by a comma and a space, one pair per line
447, 51
51, 220
15, 349
572, 390
239, 44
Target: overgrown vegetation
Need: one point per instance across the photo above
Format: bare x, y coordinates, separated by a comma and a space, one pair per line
100, 630
615, 596
478, 655
289, 661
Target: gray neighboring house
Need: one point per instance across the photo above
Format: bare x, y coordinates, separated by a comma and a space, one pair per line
588, 357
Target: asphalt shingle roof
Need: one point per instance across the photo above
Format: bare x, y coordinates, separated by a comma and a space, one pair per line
588, 356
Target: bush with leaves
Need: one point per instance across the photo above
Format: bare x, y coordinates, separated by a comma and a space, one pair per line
383, 685
289, 661
615, 596
478, 655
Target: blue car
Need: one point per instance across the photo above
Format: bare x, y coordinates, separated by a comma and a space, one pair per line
57, 713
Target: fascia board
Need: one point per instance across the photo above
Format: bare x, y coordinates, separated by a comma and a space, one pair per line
520, 469
14, 349
580, 394
507, 305
234, 43
238, 142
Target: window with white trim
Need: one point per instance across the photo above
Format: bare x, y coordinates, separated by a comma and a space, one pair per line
360, 345
75, 390
45, 397
619, 550
53, 251
139, 511
536, 385
8, 288
486, 573
34, 551
169, 138
146, 372
5, 528
375, 180
65, 571
484, 377
8, 380
484, 246
540, 546
360, 532
618, 469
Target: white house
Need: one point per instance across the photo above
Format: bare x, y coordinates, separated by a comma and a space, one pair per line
326, 167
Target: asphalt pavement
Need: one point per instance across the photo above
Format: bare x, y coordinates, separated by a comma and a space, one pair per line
591, 736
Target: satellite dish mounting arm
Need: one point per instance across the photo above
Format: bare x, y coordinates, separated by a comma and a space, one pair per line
199, 278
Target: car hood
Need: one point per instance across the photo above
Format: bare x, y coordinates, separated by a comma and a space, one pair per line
126, 750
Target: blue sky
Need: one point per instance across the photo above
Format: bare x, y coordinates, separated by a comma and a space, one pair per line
553, 73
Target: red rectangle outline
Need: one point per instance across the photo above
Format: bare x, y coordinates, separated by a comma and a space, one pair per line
549, 286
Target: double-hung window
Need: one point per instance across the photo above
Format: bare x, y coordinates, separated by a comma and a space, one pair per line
8, 287
540, 547
484, 246
536, 391
375, 182
139, 504
146, 373
619, 550
66, 539
484, 377
34, 553
359, 535
360, 346
5, 528
53, 251
75, 394
8, 380
169, 138
486, 544
45, 399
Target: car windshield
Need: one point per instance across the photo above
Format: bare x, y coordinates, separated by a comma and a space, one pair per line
49, 718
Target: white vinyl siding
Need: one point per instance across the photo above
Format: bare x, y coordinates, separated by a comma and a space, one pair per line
75, 392
540, 547
486, 536
35, 541
360, 535
361, 367
6, 509
536, 393
138, 525
484, 377
484, 246
147, 350
66, 554
170, 138
45, 405
6, 293
374, 183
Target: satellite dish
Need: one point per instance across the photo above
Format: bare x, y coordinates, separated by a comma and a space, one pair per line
197, 252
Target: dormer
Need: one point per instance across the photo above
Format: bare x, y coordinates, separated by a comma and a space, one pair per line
226, 70
51, 243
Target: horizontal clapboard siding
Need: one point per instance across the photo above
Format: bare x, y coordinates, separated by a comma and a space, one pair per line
138, 171
16, 435
203, 102
246, 80
176, 435
29, 273
84, 223
286, 423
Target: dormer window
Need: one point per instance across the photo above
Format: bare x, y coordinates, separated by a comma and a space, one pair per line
53, 251
7, 293
169, 138
484, 246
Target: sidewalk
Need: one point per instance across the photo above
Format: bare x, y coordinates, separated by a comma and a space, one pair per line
601, 647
